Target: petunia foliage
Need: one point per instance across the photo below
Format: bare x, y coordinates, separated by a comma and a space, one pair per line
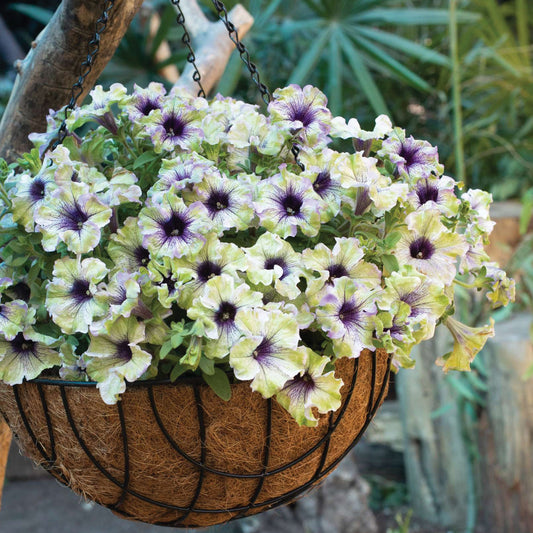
170, 236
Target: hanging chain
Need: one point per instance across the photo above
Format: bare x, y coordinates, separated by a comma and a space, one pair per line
86, 67
243, 52
254, 73
187, 41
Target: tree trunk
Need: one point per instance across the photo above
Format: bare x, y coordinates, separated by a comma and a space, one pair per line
50, 69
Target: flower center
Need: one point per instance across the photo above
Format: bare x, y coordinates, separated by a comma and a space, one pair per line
349, 314
80, 291
322, 183
175, 226
263, 350
37, 189
271, 262
74, 217
226, 313
22, 346
207, 270
124, 351
427, 192
303, 112
145, 106
336, 270
217, 201
410, 152
174, 125
292, 204
142, 256
421, 248
21, 291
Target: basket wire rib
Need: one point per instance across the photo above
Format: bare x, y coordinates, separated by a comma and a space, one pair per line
50, 461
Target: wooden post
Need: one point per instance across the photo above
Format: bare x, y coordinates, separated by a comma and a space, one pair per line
506, 431
436, 458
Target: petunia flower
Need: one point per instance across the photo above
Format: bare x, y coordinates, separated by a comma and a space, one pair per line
172, 229
416, 159
344, 260
72, 297
72, 365
429, 247
217, 308
437, 193
177, 125
115, 356
352, 130
228, 203
479, 224
26, 356
215, 258
267, 353
362, 181
311, 389
122, 295
99, 109
345, 314
286, 203
30, 194
468, 342
180, 172
165, 281
14, 316
251, 134
271, 260
426, 300
304, 111
323, 171
122, 188
144, 101
126, 247
73, 215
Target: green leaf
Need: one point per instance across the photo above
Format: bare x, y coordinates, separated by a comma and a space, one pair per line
443, 409
310, 58
391, 64
144, 159
165, 349
40, 14
414, 16
392, 239
464, 390
335, 78
19, 261
396, 42
219, 382
361, 72
207, 365
177, 371
526, 212
390, 263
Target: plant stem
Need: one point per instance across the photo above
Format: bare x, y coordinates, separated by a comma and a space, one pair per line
460, 170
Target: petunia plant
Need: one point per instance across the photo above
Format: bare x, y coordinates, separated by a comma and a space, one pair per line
170, 236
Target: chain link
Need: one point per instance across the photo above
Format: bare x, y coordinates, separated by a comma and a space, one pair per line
86, 67
243, 52
254, 73
187, 41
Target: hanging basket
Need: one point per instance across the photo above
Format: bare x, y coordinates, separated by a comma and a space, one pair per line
177, 455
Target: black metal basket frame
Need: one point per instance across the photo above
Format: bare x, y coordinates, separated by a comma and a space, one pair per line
202, 466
